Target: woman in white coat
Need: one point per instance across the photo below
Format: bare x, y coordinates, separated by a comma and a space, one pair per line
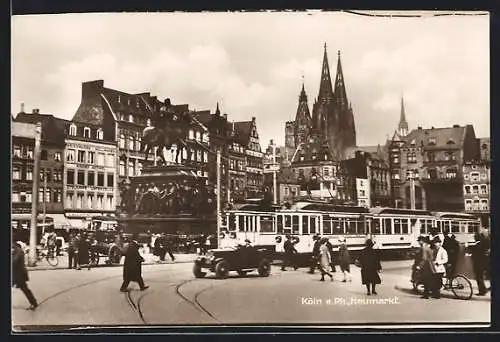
440, 260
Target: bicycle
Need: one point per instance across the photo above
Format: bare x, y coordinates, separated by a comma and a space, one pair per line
48, 255
458, 284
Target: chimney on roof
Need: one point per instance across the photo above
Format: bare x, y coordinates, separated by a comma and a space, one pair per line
36, 111
456, 126
419, 128
92, 89
225, 117
432, 127
22, 107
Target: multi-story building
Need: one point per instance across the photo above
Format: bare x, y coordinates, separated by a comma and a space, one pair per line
477, 184
52, 144
247, 136
370, 170
433, 159
23, 143
90, 180
319, 174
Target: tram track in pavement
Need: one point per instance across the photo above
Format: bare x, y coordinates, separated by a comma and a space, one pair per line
195, 303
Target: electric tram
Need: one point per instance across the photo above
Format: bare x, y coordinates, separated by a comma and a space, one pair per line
392, 229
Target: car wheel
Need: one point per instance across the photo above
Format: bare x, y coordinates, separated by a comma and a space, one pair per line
197, 271
222, 269
264, 268
242, 273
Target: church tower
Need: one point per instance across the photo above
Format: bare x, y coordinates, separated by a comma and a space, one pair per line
302, 119
325, 98
403, 124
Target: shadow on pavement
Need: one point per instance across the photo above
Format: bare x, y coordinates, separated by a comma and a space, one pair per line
444, 294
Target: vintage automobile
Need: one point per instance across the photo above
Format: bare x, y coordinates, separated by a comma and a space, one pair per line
242, 259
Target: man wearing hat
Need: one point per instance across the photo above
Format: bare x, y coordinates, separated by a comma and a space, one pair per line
132, 267
440, 260
415, 277
289, 258
315, 253
20, 275
426, 267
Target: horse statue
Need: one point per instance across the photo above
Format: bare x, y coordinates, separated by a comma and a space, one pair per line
168, 131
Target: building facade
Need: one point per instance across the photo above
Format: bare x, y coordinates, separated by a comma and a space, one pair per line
90, 178
432, 160
477, 184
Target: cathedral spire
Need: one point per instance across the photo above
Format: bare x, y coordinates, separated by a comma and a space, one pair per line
340, 94
303, 95
217, 111
403, 124
325, 86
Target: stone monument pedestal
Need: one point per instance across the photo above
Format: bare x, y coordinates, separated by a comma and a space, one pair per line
171, 199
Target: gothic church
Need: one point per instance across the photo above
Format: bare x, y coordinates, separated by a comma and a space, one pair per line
332, 120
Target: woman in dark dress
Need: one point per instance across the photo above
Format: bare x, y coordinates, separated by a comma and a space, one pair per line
370, 266
83, 252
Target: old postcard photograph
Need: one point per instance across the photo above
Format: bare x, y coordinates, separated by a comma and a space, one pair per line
313, 168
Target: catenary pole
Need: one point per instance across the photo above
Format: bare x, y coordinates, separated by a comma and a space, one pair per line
34, 197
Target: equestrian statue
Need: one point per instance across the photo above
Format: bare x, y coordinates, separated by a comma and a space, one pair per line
169, 128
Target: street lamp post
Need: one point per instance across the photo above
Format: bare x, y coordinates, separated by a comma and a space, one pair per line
34, 198
218, 197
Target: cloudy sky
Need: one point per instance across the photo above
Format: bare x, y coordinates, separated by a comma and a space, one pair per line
253, 64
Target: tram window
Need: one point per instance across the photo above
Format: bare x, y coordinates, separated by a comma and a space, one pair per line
351, 226
404, 226
279, 224
327, 225
305, 227
473, 227
387, 229
288, 221
337, 228
445, 226
463, 227
376, 226
232, 222
455, 227
397, 227
224, 220
266, 225
295, 226
241, 223
439, 226
361, 227
312, 225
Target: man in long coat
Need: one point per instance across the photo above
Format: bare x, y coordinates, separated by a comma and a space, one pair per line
427, 268
20, 275
480, 261
315, 254
132, 268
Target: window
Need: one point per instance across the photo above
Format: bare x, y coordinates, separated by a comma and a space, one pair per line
100, 159
131, 168
90, 201
451, 173
80, 178
100, 134
110, 160
475, 204
16, 173
43, 155
432, 174
139, 169
70, 155
91, 178
199, 155
111, 180
326, 172
29, 153
467, 189
122, 167
432, 141
57, 156
148, 122
484, 204
81, 156
362, 193
57, 196
86, 132
122, 141
198, 136
17, 151
79, 201
395, 160
448, 156
70, 177
48, 174
475, 189
29, 173
191, 134
15, 196
131, 143
130, 118
91, 157
431, 156
72, 130
138, 144
204, 137
69, 200
484, 189
468, 204
100, 201
474, 176
205, 156
100, 179
411, 157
